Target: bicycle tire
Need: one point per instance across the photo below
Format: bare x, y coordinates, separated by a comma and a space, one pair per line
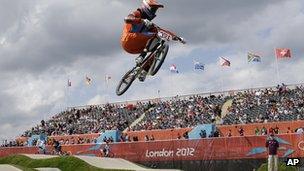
119, 92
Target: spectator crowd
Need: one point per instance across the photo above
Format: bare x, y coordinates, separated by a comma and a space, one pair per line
182, 113
266, 105
93, 119
250, 106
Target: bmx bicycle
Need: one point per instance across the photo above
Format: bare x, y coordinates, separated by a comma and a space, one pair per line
108, 154
157, 55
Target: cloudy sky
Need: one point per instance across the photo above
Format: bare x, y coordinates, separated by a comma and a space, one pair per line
45, 43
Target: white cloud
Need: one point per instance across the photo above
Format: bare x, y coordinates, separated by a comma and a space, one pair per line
31, 93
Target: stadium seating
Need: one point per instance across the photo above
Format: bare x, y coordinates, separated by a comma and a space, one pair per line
91, 119
266, 105
180, 113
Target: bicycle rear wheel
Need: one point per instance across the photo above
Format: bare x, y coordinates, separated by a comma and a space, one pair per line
126, 82
160, 57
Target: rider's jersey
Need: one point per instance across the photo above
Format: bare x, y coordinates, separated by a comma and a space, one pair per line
135, 34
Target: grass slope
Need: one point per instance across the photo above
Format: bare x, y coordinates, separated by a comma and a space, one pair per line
282, 167
65, 163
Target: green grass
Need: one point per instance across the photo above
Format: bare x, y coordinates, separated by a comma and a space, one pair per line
64, 163
282, 167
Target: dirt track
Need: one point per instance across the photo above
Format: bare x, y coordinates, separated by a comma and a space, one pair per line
106, 163
6, 167
116, 163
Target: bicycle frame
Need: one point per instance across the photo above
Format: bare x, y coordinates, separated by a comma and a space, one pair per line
149, 58
164, 36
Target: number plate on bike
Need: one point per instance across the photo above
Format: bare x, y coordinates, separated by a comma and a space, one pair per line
164, 35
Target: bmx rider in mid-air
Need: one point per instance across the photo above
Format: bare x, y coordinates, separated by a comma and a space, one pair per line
141, 36
139, 33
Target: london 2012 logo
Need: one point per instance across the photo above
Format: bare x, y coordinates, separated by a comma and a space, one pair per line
170, 153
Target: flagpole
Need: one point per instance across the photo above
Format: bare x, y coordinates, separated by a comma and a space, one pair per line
171, 80
250, 73
277, 67
106, 85
250, 76
171, 83
68, 93
222, 80
223, 62
67, 96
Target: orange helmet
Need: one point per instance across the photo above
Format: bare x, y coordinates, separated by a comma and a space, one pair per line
152, 3
149, 7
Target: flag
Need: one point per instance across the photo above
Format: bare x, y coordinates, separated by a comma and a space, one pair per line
107, 78
283, 53
88, 80
253, 57
198, 65
69, 83
173, 68
224, 61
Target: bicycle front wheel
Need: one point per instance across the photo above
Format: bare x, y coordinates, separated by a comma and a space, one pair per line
126, 82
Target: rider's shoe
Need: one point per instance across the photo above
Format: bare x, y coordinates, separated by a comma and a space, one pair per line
142, 76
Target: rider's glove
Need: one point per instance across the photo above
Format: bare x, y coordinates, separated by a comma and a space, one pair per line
182, 40
147, 23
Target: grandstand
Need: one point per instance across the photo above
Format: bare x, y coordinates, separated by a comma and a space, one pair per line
167, 132
269, 104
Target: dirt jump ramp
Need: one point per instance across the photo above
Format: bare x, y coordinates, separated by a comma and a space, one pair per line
105, 163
